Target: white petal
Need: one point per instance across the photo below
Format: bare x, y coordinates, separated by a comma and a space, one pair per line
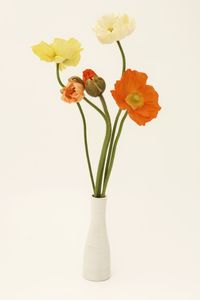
111, 28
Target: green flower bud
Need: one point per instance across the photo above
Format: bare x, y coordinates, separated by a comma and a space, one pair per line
95, 86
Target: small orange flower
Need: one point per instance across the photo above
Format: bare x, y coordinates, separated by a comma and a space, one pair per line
72, 92
139, 99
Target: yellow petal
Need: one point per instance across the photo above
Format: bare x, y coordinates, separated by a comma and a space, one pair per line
44, 51
67, 52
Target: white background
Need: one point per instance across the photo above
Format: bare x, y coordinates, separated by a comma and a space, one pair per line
153, 196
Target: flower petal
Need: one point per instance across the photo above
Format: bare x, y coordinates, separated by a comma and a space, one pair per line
44, 51
113, 27
67, 52
133, 82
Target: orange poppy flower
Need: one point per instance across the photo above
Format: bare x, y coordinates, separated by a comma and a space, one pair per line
139, 99
72, 92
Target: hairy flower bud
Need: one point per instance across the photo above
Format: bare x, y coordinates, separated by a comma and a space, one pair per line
76, 79
94, 85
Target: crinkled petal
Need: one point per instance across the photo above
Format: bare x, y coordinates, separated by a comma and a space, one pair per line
67, 51
135, 82
44, 51
112, 28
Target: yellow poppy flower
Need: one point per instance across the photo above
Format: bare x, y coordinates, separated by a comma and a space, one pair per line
64, 52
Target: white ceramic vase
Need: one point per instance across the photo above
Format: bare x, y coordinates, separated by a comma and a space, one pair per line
96, 262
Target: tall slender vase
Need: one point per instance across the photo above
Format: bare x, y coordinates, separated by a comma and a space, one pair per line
96, 262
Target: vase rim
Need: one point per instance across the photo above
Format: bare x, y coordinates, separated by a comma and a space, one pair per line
100, 198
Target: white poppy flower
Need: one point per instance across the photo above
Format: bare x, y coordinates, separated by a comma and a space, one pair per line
113, 27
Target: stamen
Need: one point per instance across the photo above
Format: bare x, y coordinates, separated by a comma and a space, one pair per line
135, 100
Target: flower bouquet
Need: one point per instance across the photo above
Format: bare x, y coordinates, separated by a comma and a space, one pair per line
134, 98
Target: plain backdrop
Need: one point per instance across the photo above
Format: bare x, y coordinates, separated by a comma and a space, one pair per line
153, 197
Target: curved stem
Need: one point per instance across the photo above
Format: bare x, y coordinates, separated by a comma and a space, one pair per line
111, 143
86, 145
95, 107
101, 164
113, 153
58, 76
111, 147
103, 102
123, 56
84, 129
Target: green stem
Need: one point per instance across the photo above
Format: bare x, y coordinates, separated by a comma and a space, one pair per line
95, 107
103, 102
58, 76
84, 129
123, 56
115, 122
111, 143
86, 145
104, 149
113, 153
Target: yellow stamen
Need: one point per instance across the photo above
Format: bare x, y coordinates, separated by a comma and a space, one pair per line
110, 29
135, 100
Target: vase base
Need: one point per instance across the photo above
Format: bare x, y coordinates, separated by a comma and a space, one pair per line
97, 276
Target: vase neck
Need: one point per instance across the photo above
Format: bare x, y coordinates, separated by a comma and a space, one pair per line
98, 209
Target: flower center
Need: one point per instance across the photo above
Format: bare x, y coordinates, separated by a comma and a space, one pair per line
110, 29
68, 91
135, 100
